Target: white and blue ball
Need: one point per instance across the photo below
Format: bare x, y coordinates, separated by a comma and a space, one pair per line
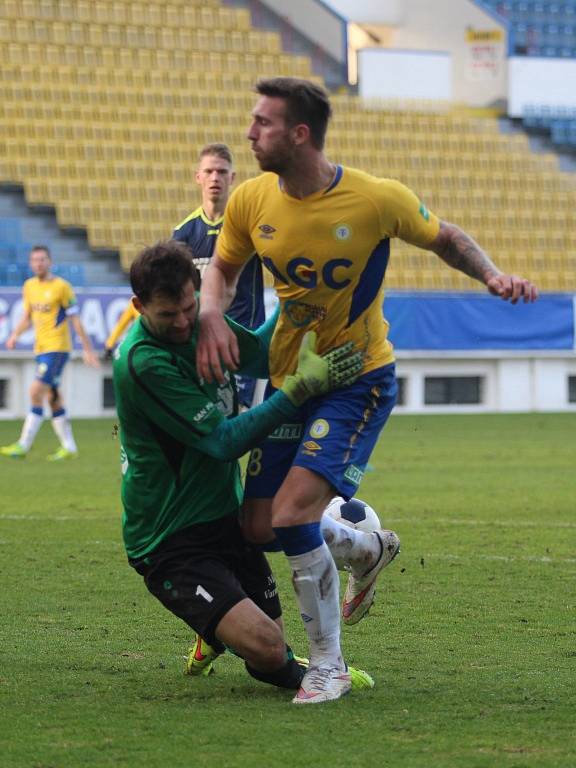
354, 513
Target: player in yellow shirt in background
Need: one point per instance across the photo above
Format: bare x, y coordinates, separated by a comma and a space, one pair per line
49, 303
124, 322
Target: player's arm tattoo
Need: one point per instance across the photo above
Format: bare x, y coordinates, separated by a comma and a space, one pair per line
461, 252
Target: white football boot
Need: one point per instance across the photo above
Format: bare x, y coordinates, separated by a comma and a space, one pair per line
361, 589
323, 684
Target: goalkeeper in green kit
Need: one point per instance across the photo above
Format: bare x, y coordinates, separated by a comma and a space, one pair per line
181, 486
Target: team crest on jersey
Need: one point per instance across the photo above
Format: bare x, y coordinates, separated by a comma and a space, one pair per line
319, 429
266, 231
424, 212
342, 232
301, 314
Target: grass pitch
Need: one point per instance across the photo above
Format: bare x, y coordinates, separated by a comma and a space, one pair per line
472, 640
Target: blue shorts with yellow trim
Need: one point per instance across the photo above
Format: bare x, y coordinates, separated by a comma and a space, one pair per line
49, 367
334, 437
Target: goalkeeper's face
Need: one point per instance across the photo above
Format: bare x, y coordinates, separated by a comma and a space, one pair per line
168, 319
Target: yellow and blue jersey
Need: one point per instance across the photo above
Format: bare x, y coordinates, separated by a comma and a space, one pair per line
200, 233
50, 303
124, 322
328, 255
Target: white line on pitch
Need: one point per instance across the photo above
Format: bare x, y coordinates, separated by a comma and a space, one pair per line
501, 558
475, 522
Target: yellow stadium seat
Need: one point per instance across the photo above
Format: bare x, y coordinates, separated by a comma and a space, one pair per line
101, 103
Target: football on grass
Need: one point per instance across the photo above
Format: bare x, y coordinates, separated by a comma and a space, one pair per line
354, 513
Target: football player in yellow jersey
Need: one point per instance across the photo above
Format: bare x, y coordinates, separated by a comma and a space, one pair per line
49, 303
124, 322
324, 232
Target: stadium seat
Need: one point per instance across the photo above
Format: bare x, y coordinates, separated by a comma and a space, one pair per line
10, 231
101, 102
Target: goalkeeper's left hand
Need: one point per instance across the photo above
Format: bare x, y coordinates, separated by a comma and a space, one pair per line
317, 374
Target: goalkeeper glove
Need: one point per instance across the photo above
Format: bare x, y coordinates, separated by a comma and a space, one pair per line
318, 374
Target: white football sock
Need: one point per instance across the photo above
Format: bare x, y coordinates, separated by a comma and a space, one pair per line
32, 424
350, 548
317, 590
63, 429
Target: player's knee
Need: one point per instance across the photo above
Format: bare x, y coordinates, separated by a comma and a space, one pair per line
37, 391
269, 651
301, 499
294, 512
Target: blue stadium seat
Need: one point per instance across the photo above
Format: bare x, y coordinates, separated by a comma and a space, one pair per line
22, 252
6, 252
504, 8
76, 274
540, 28
73, 273
10, 230
15, 275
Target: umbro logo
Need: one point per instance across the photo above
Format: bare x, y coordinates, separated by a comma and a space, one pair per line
267, 231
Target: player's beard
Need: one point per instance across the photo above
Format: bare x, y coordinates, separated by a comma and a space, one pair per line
279, 160
168, 335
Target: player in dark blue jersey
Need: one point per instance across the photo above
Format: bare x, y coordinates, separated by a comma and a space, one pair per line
215, 176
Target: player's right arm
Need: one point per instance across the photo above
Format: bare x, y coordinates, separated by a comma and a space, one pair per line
460, 251
217, 348
24, 323
181, 412
217, 344
126, 318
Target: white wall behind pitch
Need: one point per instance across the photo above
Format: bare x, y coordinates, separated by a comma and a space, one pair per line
515, 391
540, 82
391, 74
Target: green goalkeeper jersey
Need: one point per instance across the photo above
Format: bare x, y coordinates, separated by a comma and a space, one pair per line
164, 411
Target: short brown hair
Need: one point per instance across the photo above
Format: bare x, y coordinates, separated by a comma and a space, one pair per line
41, 248
306, 103
164, 268
218, 149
